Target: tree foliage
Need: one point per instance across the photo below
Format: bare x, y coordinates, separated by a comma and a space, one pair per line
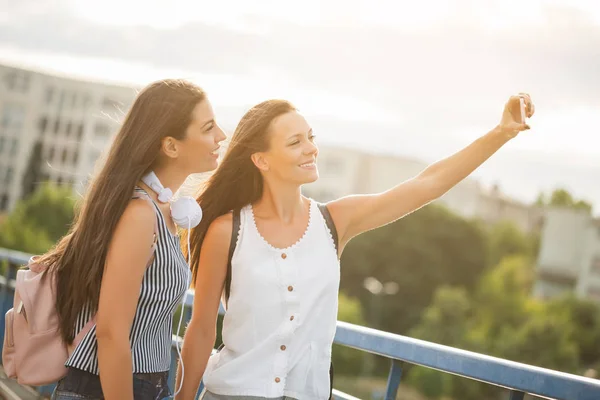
427, 249
563, 198
38, 221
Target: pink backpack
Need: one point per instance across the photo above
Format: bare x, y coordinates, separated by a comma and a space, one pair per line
34, 352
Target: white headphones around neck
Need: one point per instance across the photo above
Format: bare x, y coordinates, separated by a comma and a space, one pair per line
185, 211
187, 214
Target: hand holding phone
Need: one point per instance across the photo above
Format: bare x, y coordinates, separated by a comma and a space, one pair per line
523, 110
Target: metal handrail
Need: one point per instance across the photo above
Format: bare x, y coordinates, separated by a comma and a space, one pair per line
517, 377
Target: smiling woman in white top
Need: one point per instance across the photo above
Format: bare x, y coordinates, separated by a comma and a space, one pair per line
281, 281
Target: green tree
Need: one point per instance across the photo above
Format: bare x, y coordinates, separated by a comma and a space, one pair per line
501, 319
563, 198
445, 320
424, 250
38, 221
544, 341
503, 302
448, 321
583, 318
583, 205
506, 239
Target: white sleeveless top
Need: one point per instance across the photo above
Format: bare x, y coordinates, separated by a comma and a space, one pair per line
281, 317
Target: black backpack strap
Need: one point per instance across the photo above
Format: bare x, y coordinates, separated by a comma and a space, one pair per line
331, 381
234, 237
329, 221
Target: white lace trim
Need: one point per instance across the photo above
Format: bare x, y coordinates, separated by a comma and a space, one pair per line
293, 246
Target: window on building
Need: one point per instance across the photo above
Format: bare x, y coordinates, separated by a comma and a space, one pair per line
2, 139
26, 81
9, 175
51, 154
101, 130
43, 124
13, 116
4, 202
15, 146
61, 99
80, 131
68, 128
56, 126
10, 80
86, 101
49, 95
75, 157
18, 81
64, 156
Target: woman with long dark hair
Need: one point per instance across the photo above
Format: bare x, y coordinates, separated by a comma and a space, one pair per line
120, 272
274, 253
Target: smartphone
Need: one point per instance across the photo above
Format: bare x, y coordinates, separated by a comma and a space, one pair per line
523, 111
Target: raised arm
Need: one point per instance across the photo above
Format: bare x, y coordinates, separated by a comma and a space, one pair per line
128, 255
356, 214
200, 334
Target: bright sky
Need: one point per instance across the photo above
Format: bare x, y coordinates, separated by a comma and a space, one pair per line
224, 90
560, 127
402, 15
410, 15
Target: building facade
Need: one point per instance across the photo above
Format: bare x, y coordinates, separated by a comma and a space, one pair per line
344, 171
53, 129
569, 257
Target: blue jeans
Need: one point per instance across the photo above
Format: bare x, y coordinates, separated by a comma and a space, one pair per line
206, 395
81, 385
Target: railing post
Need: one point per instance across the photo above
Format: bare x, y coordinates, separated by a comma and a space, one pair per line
10, 274
516, 395
187, 316
7, 294
393, 380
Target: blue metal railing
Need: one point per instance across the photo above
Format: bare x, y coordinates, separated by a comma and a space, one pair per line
518, 378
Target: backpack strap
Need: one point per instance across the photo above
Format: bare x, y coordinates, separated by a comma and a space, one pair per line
329, 221
234, 238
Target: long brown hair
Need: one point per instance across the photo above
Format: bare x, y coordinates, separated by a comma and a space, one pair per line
237, 182
163, 108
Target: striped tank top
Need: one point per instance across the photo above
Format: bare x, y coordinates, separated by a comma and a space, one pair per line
163, 286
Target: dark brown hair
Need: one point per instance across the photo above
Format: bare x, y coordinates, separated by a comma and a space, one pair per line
161, 109
237, 182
